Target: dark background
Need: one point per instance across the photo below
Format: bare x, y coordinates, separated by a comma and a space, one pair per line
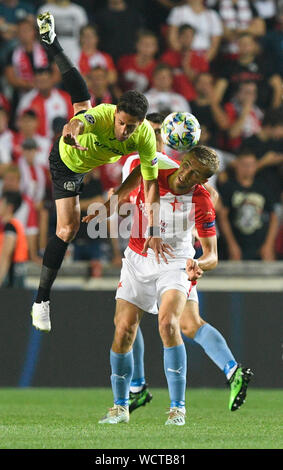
76, 352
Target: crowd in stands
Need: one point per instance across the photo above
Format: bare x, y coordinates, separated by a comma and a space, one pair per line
221, 60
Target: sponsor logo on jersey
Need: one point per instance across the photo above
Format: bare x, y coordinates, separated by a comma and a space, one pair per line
154, 161
208, 224
70, 185
89, 118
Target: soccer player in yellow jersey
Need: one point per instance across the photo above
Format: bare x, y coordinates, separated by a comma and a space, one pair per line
93, 137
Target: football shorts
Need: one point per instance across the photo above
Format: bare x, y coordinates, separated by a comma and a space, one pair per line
143, 281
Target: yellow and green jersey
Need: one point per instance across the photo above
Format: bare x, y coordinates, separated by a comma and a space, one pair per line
103, 147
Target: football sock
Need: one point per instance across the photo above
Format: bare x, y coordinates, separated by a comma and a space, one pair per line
73, 82
215, 347
122, 366
138, 379
175, 366
52, 260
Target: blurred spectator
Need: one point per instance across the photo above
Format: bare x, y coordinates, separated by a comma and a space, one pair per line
206, 108
57, 127
34, 183
266, 10
22, 61
6, 143
4, 103
90, 57
33, 175
11, 12
238, 16
85, 248
26, 213
47, 101
187, 63
161, 97
251, 64
13, 243
69, 19
247, 219
118, 25
136, 69
27, 128
225, 158
100, 91
205, 21
243, 115
267, 145
273, 42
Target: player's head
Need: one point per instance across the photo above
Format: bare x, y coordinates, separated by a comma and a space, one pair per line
156, 120
245, 165
197, 166
11, 179
9, 203
130, 112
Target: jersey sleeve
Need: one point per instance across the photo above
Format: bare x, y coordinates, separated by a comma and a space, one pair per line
147, 153
204, 213
91, 118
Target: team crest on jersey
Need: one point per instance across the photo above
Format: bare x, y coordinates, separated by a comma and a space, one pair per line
89, 118
70, 185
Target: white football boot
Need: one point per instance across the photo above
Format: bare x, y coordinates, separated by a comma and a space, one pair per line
176, 416
46, 26
117, 414
41, 316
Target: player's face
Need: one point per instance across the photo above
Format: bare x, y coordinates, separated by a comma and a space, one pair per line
125, 125
190, 172
157, 130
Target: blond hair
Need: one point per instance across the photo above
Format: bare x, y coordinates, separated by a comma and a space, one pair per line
207, 157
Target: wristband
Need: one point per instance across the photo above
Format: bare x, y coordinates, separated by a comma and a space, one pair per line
153, 231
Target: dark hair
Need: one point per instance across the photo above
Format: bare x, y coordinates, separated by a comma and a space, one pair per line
162, 66
142, 33
134, 103
41, 70
184, 27
12, 197
245, 152
30, 113
157, 118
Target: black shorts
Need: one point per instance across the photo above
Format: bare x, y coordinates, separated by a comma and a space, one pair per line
66, 183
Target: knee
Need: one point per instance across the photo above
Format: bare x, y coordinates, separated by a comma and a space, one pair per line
124, 334
168, 326
68, 232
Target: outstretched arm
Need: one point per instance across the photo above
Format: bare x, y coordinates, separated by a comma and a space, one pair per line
122, 194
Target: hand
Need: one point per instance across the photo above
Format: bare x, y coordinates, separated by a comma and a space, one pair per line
70, 138
193, 270
159, 248
110, 193
235, 252
267, 252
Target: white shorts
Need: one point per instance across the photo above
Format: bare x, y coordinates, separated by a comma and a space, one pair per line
143, 281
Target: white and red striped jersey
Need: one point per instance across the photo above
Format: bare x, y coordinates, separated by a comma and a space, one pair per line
33, 180
58, 104
179, 213
27, 215
6, 146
